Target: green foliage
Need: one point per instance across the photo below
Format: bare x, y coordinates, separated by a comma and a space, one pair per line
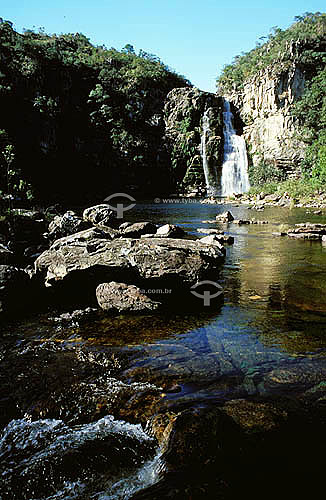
16, 186
89, 115
281, 47
264, 173
300, 189
310, 110
184, 125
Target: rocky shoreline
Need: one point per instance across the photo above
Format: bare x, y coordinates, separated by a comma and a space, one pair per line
262, 200
79, 258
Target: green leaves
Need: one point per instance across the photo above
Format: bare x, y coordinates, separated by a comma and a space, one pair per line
309, 29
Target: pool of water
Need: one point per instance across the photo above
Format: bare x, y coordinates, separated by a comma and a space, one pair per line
273, 313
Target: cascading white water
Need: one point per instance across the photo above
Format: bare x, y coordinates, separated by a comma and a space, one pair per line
104, 460
210, 176
234, 178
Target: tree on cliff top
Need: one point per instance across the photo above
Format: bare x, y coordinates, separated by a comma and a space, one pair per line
303, 41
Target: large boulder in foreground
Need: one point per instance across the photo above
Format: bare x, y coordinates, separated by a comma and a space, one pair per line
156, 262
119, 297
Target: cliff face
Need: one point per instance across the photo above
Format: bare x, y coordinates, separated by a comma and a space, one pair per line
185, 112
265, 106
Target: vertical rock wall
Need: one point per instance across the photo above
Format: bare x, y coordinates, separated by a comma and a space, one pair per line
183, 114
265, 106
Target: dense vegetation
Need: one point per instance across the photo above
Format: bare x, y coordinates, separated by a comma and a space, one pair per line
303, 44
77, 120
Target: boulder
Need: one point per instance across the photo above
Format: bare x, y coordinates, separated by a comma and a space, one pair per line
14, 286
133, 261
119, 297
170, 231
65, 225
213, 239
85, 236
100, 214
196, 436
124, 225
137, 230
225, 217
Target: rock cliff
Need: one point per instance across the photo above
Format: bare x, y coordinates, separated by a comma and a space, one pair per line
265, 107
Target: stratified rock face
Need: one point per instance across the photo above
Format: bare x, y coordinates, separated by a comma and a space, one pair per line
119, 297
183, 114
265, 106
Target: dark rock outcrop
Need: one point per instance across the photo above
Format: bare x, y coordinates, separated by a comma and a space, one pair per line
137, 230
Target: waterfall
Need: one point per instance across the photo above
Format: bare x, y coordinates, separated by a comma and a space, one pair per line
209, 171
234, 178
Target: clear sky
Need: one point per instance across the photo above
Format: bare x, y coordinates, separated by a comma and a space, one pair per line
194, 37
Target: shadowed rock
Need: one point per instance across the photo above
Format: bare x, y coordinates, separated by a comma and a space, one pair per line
100, 214
119, 297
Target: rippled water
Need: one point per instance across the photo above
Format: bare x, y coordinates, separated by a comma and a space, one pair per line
69, 390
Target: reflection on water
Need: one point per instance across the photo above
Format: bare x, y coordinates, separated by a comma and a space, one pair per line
277, 282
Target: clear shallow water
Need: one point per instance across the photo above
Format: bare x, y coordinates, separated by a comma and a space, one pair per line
67, 376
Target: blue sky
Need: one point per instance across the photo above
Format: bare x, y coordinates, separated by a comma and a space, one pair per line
196, 38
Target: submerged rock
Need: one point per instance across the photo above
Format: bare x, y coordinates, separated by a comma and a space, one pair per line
209, 231
308, 231
75, 317
119, 297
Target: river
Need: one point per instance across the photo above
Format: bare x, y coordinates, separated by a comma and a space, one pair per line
76, 396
